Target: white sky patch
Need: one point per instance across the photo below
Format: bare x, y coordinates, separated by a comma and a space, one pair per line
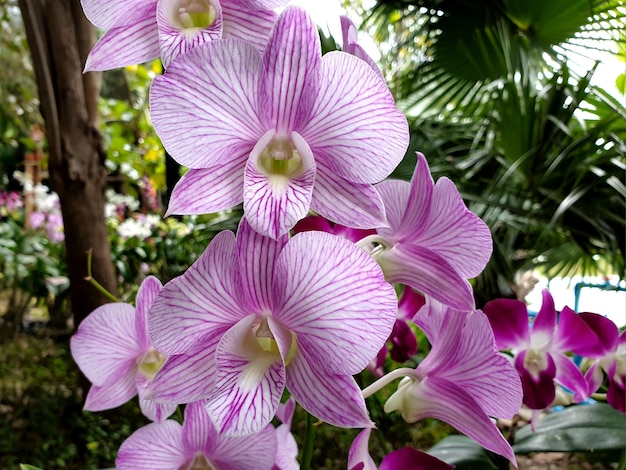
326, 15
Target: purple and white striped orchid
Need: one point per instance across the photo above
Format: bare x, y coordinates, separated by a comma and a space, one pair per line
540, 351
195, 445
284, 131
433, 242
304, 314
406, 458
286, 445
142, 30
463, 381
113, 350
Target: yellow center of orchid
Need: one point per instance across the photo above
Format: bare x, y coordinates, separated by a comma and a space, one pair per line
151, 363
280, 158
268, 344
200, 462
535, 362
196, 14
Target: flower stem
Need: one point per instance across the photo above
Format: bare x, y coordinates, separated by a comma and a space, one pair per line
309, 441
386, 380
95, 283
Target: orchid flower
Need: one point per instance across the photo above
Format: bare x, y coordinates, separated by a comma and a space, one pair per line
351, 46
540, 351
142, 30
195, 445
613, 363
433, 242
286, 445
406, 458
263, 315
113, 350
463, 380
284, 131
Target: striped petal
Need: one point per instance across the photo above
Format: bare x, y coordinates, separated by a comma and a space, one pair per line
148, 291
351, 204
290, 60
359, 455
249, 24
333, 398
257, 257
210, 98
335, 299
174, 41
354, 127
428, 272
107, 14
154, 411
111, 395
209, 190
199, 434
186, 378
351, 46
463, 352
200, 304
106, 345
273, 203
157, 446
255, 451
249, 382
130, 44
457, 234
448, 402
395, 195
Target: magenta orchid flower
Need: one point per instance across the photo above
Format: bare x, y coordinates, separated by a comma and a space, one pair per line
195, 445
142, 30
406, 458
315, 222
286, 445
613, 363
284, 131
463, 381
433, 243
540, 351
304, 314
113, 350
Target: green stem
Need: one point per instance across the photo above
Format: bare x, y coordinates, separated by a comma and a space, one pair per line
95, 283
309, 441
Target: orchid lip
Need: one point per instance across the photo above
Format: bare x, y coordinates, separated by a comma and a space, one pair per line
199, 462
150, 363
281, 159
535, 362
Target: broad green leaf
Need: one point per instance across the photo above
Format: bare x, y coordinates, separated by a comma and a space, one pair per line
581, 428
463, 453
25, 466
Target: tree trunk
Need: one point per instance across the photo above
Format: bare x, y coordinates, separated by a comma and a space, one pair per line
60, 38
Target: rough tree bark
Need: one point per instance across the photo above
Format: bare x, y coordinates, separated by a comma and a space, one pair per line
60, 38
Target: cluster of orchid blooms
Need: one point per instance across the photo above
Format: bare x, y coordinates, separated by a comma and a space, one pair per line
302, 303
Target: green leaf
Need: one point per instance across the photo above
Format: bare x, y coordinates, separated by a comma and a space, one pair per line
582, 428
25, 466
462, 452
